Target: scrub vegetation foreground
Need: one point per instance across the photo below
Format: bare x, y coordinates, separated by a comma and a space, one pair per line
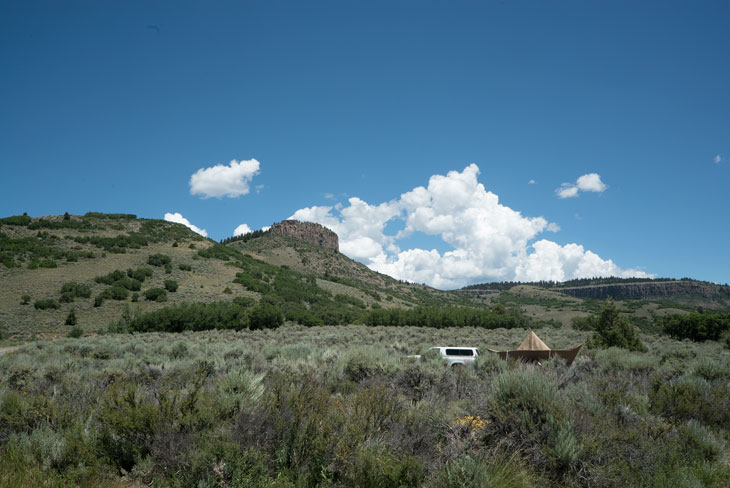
344, 406
144, 355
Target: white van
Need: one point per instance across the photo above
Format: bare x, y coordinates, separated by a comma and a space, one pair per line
456, 356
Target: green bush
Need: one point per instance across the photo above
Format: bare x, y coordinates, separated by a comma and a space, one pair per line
158, 260
375, 467
71, 317
19, 220
25, 299
111, 278
192, 316
529, 410
116, 292
47, 263
46, 304
481, 471
690, 398
179, 350
614, 330
139, 274
244, 301
118, 244
219, 251
156, 295
696, 326
356, 302
66, 298
76, 332
185, 267
129, 283
239, 389
441, 317
700, 443
129, 422
76, 289
265, 316
171, 285
584, 323
99, 300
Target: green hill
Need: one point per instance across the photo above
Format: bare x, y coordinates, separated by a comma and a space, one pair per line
45, 261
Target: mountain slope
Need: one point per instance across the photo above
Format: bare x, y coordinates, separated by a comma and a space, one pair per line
101, 252
334, 267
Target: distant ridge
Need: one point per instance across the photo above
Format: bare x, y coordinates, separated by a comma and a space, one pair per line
655, 289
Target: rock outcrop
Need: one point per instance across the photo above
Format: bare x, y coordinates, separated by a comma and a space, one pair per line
308, 231
639, 291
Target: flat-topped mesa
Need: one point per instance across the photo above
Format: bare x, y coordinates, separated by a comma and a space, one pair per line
308, 231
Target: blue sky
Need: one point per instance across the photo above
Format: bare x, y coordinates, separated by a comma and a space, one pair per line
114, 106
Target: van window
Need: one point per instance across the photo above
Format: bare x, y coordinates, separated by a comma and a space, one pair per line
459, 352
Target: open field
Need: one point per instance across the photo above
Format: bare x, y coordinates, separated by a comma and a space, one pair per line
342, 406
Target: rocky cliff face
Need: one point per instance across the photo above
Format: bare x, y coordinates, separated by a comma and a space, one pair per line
639, 291
308, 231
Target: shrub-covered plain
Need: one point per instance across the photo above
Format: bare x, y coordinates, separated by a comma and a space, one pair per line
344, 406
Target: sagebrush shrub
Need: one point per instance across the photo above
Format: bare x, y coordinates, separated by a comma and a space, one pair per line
701, 443
481, 470
238, 389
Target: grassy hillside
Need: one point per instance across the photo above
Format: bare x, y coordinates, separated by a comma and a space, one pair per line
40, 256
337, 272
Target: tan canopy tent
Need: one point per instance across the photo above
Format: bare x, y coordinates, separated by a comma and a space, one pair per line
533, 349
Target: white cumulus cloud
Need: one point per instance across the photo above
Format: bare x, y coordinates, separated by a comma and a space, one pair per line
224, 181
242, 229
567, 190
179, 219
588, 182
591, 182
489, 241
718, 158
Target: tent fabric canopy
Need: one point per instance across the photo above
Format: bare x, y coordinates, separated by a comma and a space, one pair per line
533, 343
534, 349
